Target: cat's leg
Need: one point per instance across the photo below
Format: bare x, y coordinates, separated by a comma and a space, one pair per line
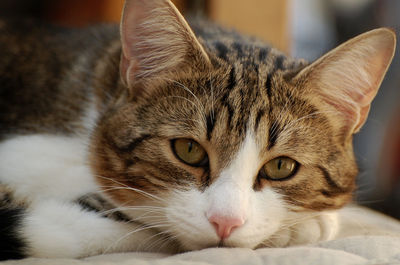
12, 245
54, 229
306, 229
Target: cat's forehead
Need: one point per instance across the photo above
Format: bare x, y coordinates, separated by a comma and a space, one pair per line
250, 53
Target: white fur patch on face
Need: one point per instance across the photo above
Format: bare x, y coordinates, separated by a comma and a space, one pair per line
46, 166
231, 195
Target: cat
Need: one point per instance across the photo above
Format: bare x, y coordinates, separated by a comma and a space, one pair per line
166, 137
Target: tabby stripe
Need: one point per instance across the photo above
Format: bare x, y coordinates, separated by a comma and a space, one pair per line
232, 79
319, 206
231, 112
205, 180
268, 87
238, 47
260, 114
333, 193
225, 98
222, 50
263, 54
330, 181
210, 124
132, 145
95, 203
279, 62
145, 182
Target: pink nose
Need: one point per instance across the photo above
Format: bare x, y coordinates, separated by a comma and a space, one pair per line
225, 225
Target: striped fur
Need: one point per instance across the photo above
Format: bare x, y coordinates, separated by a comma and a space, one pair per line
104, 111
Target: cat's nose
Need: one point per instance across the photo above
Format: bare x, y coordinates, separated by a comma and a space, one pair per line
224, 225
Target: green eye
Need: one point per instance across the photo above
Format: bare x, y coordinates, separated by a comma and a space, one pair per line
279, 168
190, 152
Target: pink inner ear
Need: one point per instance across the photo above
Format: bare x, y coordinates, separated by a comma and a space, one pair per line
156, 40
349, 77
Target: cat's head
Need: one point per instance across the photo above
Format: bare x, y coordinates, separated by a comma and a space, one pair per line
215, 145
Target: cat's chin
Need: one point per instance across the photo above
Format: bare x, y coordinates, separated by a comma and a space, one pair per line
221, 244
234, 242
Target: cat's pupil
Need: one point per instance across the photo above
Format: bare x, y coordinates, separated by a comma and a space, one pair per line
190, 146
279, 164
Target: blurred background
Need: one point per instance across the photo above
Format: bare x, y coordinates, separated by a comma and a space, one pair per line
303, 29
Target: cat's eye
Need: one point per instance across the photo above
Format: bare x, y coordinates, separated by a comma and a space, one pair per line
279, 168
190, 152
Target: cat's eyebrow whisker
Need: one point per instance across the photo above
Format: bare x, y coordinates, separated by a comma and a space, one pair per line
305, 117
194, 104
180, 97
288, 128
315, 113
201, 107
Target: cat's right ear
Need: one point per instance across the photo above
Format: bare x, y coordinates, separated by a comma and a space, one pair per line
156, 41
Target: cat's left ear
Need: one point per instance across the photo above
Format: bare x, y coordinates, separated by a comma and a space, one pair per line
345, 80
156, 41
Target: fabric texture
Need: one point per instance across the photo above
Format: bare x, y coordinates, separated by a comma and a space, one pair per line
366, 237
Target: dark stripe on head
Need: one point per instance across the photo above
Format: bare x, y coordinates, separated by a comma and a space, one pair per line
210, 124
231, 112
225, 98
279, 62
222, 50
268, 87
238, 47
231, 80
11, 245
135, 142
273, 134
260, 114
263, 54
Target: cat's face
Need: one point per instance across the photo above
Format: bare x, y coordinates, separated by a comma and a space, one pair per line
214, 151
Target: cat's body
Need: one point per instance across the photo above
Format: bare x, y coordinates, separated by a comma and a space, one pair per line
90, 161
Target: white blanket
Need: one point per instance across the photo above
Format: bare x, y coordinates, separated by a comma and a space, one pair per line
366, 237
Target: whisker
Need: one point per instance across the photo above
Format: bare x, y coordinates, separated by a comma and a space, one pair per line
200, 105
152, 196
141, 228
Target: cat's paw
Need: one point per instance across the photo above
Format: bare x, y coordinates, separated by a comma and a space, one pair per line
306, 230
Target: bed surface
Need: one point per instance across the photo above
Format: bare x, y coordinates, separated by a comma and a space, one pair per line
366, 237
